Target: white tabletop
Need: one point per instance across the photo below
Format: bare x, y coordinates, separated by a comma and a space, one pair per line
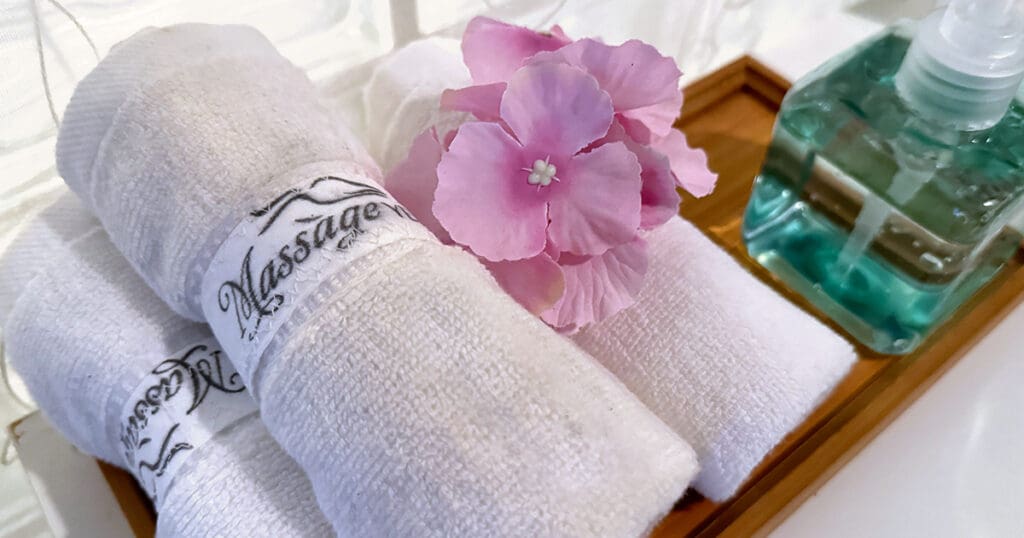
951, 465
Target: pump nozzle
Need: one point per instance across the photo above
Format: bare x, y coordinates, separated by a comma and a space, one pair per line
965, 64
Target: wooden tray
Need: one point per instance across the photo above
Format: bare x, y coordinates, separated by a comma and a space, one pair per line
730, 114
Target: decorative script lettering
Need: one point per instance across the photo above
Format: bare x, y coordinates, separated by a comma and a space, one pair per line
169, 414
339, 221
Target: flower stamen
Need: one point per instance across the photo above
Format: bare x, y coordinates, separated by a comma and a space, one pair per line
542, 173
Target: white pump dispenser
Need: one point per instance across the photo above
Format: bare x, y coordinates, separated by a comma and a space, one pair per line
965, 64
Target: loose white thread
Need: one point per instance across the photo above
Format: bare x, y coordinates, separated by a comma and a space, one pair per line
40, 53
5, 453
37, 27
6, 457
5, 376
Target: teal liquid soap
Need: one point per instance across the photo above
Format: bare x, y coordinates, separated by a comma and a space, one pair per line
885, 220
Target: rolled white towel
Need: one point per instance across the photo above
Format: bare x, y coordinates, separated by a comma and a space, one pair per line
64, 221
726, 362
722, 358
404, 96
419, 399
86, 333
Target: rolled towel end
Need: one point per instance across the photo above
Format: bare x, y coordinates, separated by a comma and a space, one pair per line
729, 364
401, 98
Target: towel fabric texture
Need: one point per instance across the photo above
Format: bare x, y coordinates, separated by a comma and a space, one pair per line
419, 399
83, 335
53, 229
722, 359
406, 87
728, 363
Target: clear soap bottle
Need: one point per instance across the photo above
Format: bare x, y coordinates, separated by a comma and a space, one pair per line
893, 172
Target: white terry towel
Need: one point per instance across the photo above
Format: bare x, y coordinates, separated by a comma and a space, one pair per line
725, 361
722, 358
419, 398
84, 333
64, 221
407, 97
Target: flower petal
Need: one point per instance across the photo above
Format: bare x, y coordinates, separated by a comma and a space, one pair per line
597, 204
449, 137
555, 108
536, 283
493, 50
483, 101
558, 33
636, 129
482, 198
689, 165
413, 181
552, 251
644, 85
659, 200
598, 287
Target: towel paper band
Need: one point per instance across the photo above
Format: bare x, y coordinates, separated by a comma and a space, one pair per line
280, 252
179, 405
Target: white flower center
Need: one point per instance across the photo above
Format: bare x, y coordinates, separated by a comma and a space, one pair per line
542, 173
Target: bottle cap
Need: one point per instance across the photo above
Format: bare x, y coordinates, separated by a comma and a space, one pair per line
965, 64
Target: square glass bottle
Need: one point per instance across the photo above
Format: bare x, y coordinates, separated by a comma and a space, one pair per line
884, 215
